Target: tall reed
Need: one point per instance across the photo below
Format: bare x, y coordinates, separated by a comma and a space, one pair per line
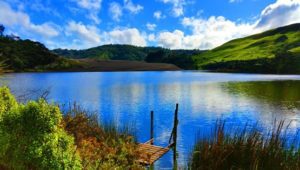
246, 148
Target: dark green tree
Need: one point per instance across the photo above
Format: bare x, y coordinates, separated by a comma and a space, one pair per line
2, 28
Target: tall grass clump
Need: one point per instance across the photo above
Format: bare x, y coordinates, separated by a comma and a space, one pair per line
246, 148
101, 145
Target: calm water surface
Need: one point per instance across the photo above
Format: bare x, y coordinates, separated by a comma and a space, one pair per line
128, 97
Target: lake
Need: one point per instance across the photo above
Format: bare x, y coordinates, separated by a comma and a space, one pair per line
203, 97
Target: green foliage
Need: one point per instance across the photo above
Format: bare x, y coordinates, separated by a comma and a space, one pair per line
24, 54
7, 101
32, 136
245, 148
269, 52
112, 52
180, 58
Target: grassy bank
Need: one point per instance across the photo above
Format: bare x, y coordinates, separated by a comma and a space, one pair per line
37, 135
246, 148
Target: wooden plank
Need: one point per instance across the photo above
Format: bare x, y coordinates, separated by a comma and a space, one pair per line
150, 153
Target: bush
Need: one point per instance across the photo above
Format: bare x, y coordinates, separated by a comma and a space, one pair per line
32, 136
245, 148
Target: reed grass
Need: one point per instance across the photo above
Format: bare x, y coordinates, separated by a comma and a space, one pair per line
101, 144
246, 148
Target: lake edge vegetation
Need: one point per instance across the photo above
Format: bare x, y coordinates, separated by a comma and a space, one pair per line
246, 148
37, 135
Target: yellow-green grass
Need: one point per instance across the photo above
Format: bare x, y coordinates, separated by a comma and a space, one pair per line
259, 46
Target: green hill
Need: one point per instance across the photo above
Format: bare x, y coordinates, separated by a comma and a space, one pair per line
109, 52
181, 58
27, 55
274, 51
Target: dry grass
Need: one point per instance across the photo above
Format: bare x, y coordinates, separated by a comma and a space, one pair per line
101, 145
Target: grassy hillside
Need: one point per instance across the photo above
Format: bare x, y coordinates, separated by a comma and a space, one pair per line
274, 51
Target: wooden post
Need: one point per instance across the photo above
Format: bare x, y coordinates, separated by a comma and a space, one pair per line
175, 137
152, 127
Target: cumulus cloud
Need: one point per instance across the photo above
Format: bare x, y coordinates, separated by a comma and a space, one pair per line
115, 10
13, 18
150, 26
130, 36
282, 12
131, 7
158, 15
87, 33
177, 6
178, 40
214, 31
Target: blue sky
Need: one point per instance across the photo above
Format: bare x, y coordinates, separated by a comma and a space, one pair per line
175, 24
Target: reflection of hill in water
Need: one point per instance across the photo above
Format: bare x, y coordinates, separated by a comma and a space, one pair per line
284, 93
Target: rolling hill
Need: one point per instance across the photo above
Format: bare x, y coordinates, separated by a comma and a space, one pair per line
180, 58
24, 54
273, 51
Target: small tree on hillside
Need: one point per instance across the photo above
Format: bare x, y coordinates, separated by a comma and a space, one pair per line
2, 28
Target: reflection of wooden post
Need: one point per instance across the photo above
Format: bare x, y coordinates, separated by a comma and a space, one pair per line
175, 137
151, 134
151, 128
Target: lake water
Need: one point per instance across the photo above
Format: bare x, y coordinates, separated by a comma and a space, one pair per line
128, 97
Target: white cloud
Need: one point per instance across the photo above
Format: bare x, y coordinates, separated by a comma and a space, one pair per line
206, 34
130, 36
93, 6
158, 15
132, 7
87, 33
151, 37
282, 12
115, 10
150, 26
89, 4
177, 6
178, 40
234, 1
215, 31
12, 18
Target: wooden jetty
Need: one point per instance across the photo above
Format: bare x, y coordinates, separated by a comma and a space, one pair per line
149, 153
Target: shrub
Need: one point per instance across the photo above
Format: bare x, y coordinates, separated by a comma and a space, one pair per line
245, 148
32, 136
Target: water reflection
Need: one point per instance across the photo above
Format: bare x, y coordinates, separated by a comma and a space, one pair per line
202, 97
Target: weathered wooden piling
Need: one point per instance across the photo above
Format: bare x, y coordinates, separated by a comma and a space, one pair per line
175, 137
152, 128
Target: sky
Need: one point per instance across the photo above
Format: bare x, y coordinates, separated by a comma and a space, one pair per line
174, 24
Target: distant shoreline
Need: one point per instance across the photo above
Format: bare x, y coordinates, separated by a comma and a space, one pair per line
94, 65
